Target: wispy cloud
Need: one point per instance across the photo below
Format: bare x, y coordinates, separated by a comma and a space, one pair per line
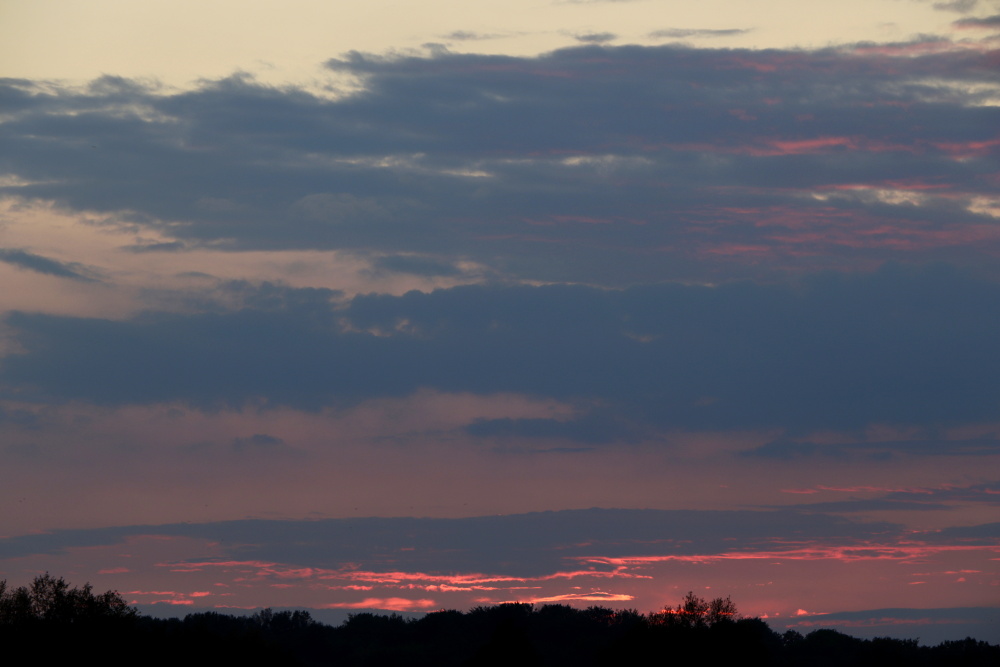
596, 37
45, 265
985, 22
680, 33
962, 6
469, 35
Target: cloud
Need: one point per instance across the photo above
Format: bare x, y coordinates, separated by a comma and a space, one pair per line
962, 6
988, 22
596, 596
873, 505
788, 450
392, 604
579, 556
987, 493
930, 625
592, 428
504, 160
596, 37
415, 265
466, 35
339, 207
170, 246
44, 265
900, 346
534, 545
982, 534
679, 33
920, 499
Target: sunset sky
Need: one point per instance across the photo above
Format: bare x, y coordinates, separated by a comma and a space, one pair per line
418, 305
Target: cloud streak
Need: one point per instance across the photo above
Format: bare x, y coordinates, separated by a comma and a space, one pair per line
44, 265
679, 33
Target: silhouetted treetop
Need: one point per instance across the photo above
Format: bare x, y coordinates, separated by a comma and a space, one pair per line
63, 619
52, 599
696, 612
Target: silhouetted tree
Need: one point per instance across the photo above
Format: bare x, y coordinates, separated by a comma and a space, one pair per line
696, 612
66, 622
52, 599
721, 609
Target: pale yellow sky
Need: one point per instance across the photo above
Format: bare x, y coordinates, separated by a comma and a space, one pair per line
180, 41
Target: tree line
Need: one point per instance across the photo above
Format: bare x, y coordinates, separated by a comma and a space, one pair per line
59, 622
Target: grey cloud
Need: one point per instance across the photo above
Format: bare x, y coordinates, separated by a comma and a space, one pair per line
962, 6
169, 246
931, 626
592, 428
986, 493
897, 346
920, 500
416, 265
872, 505
510, 162
786, 449
45, 265
596, 37
677, 33
520, 545
466, 35
340, 207
983, 22
987, 534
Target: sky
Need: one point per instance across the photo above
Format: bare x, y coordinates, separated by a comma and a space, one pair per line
409, 306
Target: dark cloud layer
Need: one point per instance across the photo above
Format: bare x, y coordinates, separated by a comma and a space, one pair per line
597, 426
944, 498
521, 544
897, 346
788, 450
592, 164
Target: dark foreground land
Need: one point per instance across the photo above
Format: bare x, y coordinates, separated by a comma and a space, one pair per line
58, 624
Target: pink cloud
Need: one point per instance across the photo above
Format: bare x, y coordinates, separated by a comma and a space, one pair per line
874, 489
392, 604
596, 596
857, 552
967, 149
767, 147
